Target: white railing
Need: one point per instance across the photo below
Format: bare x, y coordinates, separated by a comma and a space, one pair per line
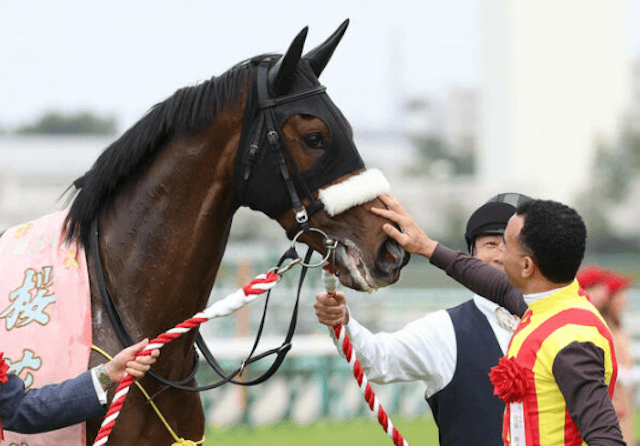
314, 380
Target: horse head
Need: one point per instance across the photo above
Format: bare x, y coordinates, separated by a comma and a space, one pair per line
155, 210
297, 162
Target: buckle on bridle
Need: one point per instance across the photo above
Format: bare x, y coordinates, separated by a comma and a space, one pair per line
302, 217
272, 136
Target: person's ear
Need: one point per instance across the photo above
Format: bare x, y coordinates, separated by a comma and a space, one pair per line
528, 266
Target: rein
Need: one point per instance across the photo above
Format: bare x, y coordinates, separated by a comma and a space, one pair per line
224, 307
125, 338
331, 283
112, 310
178, 441
286, 344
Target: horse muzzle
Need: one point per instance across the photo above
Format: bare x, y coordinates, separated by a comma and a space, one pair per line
391, 258
355, 273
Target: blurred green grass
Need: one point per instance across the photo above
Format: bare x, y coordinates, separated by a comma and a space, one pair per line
355, 432
421, 431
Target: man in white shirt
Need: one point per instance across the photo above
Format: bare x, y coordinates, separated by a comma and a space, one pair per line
452, 350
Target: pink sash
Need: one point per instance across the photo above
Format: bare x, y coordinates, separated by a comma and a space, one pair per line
45, 313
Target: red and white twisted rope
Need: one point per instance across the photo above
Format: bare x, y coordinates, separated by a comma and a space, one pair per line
330, 282
223, 307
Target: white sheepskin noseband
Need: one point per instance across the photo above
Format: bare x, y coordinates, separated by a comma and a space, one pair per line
356, 190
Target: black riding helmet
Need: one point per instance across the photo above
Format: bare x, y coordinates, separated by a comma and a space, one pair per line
492, 217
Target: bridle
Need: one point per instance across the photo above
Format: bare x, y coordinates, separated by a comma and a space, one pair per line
293, 259
277, 146
266, 125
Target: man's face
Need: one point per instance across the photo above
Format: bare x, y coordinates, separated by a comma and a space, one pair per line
488, 248
512, 252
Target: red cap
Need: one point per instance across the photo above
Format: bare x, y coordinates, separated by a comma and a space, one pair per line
594, 275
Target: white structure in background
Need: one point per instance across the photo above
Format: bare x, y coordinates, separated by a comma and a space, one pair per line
462, 118
454, 117
555, 77
422, 116
35, 171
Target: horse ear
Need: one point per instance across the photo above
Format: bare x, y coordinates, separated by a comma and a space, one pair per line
320, 55
281, 74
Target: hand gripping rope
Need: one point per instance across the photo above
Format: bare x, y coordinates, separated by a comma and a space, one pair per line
223, 307
330, 282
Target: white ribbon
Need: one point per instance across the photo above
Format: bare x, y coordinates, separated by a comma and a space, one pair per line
518, 437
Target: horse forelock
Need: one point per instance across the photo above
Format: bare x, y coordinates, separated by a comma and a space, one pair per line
188, 110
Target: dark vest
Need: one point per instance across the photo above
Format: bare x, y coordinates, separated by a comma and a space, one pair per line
466, 411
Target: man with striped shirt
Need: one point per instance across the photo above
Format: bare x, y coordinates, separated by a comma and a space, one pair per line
560, 369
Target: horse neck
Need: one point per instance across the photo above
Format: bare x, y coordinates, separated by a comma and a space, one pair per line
164, 241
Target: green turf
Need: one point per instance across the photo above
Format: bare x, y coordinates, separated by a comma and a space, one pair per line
355, 432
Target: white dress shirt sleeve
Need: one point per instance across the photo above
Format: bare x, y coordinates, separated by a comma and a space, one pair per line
423, 350
102, 395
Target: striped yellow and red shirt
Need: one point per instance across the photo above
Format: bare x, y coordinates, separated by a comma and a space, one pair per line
559, 337
584, 373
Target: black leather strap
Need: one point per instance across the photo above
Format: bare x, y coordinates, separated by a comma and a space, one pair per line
281, 351
125, 338
114, 315
274, 139
266, 102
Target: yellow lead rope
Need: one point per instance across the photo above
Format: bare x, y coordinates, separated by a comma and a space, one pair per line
178, 441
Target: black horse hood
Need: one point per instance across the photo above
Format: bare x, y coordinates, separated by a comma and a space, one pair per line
258, 179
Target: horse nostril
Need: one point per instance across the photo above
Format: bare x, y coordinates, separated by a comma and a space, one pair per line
390, 256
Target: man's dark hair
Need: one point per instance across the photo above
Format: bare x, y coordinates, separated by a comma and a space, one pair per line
555, 236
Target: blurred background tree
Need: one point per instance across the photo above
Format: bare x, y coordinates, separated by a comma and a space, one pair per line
612, 196
434, 153
79, 123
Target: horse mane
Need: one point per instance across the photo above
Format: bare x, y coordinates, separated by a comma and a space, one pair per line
188, 110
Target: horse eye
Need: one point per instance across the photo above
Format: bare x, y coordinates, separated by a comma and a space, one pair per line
314, 140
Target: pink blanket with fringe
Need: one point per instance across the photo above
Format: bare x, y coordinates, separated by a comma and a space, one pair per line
45, 313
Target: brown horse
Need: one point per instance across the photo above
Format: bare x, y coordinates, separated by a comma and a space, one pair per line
265, 135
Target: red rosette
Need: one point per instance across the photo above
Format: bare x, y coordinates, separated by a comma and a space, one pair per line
509, 380
3, 369
3, 379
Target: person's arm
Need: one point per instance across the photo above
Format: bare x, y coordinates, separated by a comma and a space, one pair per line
579, 371
106, 375
73, 401
474, 274
49, 407
423, 350
480, 278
